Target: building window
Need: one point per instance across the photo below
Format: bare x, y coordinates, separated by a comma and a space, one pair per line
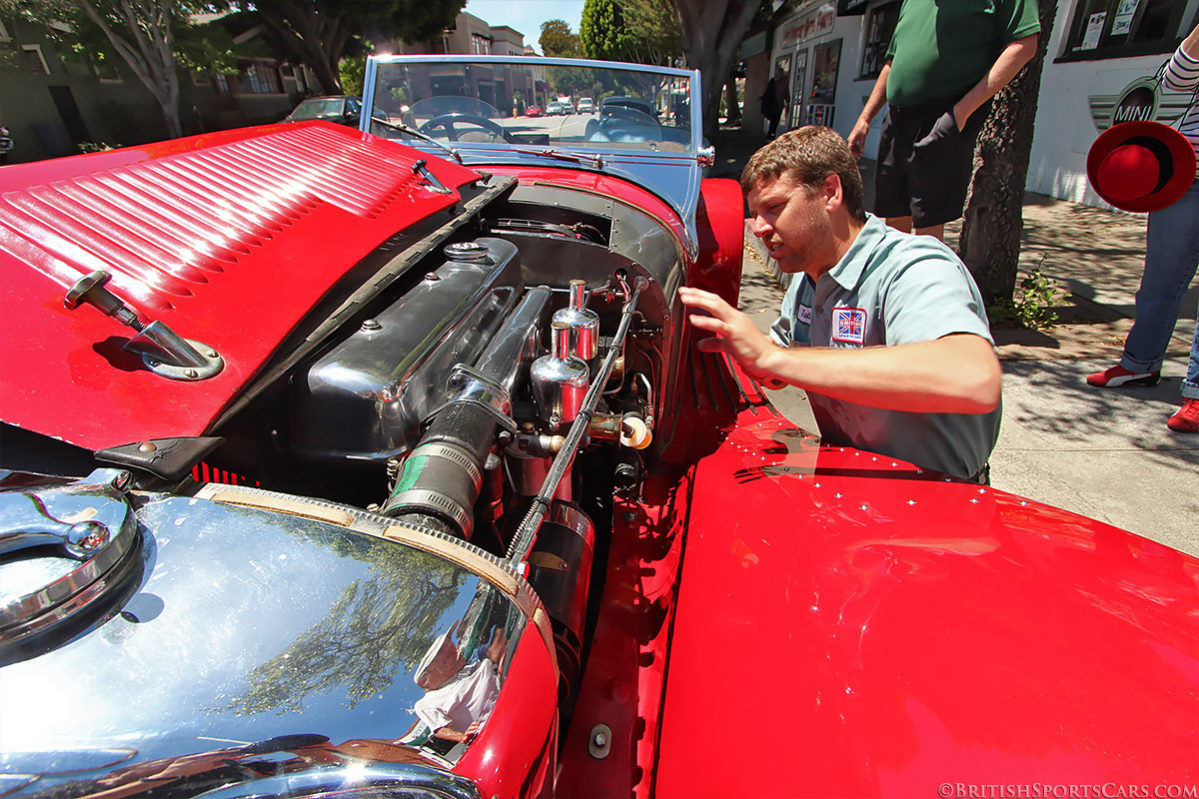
1121, 28
880, 26
32, 59
480, 45
221, 82
260, 77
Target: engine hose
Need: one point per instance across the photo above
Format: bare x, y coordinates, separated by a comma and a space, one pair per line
522, 541
442, 476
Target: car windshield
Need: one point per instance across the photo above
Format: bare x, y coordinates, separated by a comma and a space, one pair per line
319, 108
487, 101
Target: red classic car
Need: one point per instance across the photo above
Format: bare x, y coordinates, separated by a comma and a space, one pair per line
382, 462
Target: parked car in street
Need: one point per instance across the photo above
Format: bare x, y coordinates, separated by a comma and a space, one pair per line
330, 108
586, 105
533, 111
383, 463
621, 105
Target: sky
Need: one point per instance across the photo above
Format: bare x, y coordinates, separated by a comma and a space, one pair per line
526, 16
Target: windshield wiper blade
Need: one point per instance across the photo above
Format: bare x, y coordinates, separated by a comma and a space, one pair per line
561, 155
402, 128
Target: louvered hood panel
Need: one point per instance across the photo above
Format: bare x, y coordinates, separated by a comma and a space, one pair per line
228, 238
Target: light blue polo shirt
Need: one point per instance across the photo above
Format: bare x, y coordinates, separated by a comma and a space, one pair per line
892, 288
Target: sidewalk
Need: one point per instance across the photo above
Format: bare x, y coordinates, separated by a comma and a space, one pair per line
1104, 454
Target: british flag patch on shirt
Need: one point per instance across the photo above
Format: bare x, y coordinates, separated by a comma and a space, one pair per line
849, 325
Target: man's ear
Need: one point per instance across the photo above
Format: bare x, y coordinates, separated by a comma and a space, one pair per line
832, 193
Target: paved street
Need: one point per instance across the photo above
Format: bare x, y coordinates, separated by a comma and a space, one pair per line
1104, 454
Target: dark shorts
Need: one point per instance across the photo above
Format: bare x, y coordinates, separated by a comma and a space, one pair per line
925, 163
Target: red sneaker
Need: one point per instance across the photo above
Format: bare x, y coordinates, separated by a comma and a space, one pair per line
1119, 376
1186, 419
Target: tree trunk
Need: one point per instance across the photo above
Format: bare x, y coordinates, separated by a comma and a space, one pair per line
993, 218
170, 114
711, 32
148, 47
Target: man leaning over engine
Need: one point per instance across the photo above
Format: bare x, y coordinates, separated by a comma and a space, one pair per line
901, 360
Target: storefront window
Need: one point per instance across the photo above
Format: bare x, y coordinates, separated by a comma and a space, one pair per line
880, 26
1120, 28
826, 63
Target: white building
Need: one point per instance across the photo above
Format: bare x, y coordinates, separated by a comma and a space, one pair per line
1100, 67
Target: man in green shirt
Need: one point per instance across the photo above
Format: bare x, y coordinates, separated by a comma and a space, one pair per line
946, 61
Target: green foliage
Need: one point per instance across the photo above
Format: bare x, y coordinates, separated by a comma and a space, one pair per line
319, 33
205, 48
79, 38
638, 31
1034, 305
602, 31
353, 73
654, 29
422, 20
557, 41
95, 146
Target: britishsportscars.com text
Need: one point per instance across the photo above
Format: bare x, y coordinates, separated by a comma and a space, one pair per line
1041, 790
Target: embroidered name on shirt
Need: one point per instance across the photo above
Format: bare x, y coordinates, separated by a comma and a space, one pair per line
805, 314
849, 325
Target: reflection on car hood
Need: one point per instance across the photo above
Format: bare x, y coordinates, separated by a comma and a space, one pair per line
202, 670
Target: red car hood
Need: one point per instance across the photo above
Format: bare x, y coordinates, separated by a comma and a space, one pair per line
229, 239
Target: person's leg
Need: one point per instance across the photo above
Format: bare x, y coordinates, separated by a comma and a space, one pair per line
942, 163
1186, 418
891, 199
1171, 257
1190, 385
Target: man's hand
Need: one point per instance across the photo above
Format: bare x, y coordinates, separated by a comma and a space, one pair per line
736, 333
874, 104
857, 137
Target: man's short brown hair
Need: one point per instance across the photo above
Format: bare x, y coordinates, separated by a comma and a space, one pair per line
808, 156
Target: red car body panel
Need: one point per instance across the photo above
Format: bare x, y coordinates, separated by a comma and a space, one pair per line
214, 236
873, 628
885, 634
879, 630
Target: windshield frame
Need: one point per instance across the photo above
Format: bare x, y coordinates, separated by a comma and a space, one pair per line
673, 175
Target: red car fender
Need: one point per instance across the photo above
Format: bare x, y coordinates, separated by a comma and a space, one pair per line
918, 631
720, 227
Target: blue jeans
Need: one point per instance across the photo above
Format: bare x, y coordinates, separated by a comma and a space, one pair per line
1171, 258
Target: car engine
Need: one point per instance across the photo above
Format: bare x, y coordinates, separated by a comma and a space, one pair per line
502, 392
